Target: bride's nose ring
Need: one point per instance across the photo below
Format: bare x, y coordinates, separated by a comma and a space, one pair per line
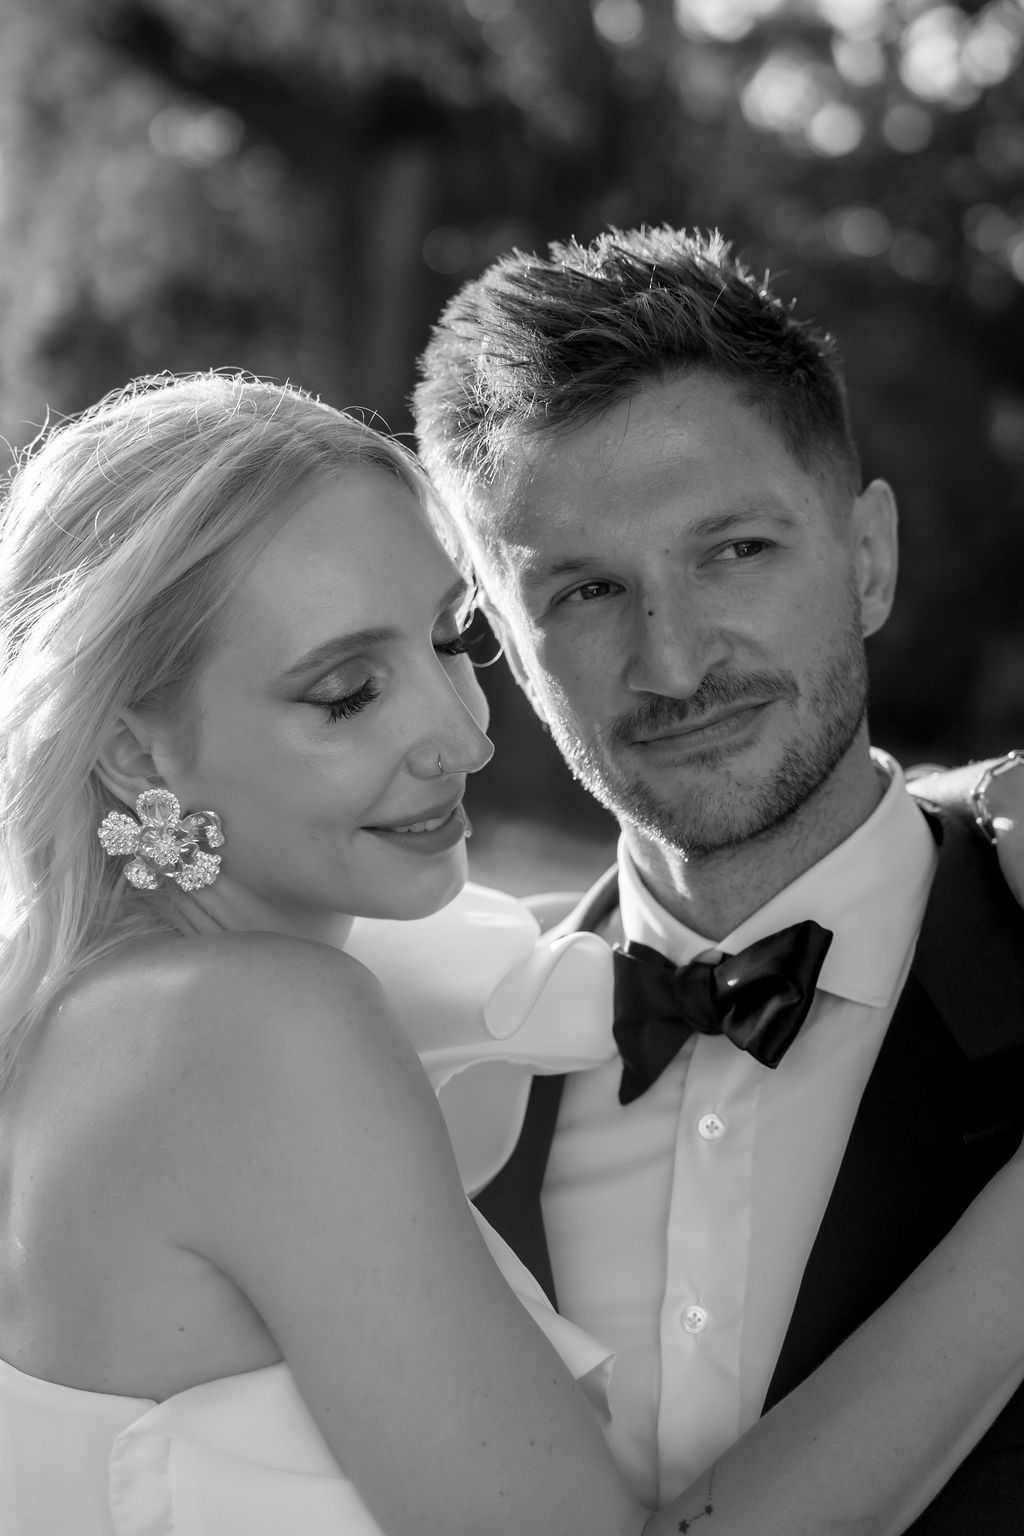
440, 767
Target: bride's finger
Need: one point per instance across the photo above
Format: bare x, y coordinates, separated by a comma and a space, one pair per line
1001, 794
1010, 848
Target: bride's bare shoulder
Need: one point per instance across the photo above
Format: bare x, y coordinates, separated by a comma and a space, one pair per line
169, 970
194, 1071
157, 1000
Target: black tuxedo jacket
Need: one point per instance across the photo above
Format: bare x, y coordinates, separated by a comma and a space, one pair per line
942, 1111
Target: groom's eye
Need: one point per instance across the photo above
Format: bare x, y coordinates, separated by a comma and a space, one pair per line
742, 549
588, 591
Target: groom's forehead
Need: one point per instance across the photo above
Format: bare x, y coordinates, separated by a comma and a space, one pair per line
539, 490
544, 482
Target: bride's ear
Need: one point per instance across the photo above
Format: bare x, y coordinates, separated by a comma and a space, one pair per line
126, 764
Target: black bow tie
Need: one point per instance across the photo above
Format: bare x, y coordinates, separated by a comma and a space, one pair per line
758, 998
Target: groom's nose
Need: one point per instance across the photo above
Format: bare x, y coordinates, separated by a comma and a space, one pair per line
676, 639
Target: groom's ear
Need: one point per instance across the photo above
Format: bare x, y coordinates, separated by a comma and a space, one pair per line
875, 553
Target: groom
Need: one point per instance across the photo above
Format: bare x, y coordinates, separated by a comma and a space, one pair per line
649, 464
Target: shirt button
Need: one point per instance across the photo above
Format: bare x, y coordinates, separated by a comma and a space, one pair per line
711, 1128
695, 1319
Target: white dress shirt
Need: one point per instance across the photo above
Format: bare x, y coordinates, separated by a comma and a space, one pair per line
679, 1225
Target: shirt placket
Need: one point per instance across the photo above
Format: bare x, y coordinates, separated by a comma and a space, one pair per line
707, 1262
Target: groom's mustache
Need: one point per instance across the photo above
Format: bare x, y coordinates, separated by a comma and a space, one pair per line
718, 690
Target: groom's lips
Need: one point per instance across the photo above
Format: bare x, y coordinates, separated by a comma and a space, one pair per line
721, 728
431, 830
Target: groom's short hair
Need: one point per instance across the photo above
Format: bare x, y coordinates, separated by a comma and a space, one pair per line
537, 345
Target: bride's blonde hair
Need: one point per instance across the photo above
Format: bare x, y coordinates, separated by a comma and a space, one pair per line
122, 533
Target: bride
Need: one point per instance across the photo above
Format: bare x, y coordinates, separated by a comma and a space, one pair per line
242, 1290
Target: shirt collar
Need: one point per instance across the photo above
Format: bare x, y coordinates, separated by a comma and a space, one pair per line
870, 891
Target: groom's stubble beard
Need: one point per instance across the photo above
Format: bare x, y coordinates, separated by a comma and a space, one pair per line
715, 813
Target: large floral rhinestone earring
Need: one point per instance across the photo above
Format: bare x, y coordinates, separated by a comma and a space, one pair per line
163, 843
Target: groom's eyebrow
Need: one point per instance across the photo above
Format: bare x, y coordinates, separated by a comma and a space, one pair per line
733, 518
537, 572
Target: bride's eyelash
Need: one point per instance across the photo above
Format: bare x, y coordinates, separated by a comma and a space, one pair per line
456, 647
350, 703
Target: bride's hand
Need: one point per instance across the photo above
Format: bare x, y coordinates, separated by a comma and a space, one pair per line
999, 801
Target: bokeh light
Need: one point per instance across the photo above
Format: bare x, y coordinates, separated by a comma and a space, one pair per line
835, 129
621, 22
197, 135
858, 231
447, 250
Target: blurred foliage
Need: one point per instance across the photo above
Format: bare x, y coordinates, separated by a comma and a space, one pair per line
295, 186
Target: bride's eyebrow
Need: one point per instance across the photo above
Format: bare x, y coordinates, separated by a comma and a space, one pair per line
339, 646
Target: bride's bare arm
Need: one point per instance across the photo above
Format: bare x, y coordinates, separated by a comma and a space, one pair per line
313, 1168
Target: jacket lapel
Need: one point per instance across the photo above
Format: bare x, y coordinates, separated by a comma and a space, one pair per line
511, 1201
941, 1111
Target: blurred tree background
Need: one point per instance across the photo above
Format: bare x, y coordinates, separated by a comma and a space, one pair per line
295, 187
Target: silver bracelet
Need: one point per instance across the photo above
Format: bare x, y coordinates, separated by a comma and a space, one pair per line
979, 804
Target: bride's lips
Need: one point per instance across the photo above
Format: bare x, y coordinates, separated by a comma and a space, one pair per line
432, 830
725, 728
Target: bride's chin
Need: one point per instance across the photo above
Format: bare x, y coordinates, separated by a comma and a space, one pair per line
412, 899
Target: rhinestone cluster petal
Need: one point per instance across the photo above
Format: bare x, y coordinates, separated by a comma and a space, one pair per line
140, 875
198, 872
119, 833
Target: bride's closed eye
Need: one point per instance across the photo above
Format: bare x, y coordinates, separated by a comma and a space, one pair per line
343, 706
345, 690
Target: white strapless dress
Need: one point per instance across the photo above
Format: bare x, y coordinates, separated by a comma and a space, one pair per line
487, 1005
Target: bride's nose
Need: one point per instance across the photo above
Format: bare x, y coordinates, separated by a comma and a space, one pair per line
455, 740
438, 757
